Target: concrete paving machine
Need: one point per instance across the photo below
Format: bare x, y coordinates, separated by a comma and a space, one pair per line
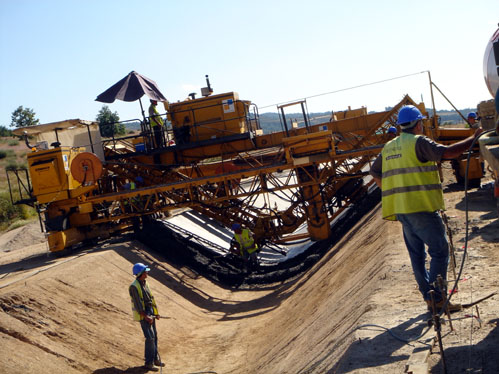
215, 159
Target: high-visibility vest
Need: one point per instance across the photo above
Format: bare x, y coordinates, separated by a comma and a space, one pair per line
130, 186
136, 314
246, 242
408, 185
154, 116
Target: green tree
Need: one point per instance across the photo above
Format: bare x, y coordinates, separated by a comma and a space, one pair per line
108, 123
5, 131
22, 117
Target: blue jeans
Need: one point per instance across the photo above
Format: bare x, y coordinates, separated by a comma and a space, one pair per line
151, 343
420, 229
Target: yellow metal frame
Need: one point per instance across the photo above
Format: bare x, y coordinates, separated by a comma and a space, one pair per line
323, 165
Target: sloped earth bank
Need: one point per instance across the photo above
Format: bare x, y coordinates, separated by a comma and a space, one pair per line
72, 314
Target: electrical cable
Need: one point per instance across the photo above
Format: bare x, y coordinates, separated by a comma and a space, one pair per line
465, 252
462, 262
393, 334
348, 88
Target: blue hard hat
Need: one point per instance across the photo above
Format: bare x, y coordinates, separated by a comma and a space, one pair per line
139, 268
236, 226
392, 130
472, 115
408, 114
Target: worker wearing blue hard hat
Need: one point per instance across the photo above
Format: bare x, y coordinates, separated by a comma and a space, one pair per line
473, 120
407, 173
392, 132
145, 311
409, 116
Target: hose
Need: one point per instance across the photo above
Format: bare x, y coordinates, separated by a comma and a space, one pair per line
444, 306
465, 253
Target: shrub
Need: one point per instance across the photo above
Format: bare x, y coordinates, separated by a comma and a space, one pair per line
4, 131
13, 142
17, 224
11, 214
8, 211
11, 165
9, 153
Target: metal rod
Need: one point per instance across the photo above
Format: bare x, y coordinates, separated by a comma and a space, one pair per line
142, 109
40, 218
305, 116
437, 325
284, 121
457, 110
451, 245
432, 101
19, 184
90, 138
29, 183
443, 291
10, 188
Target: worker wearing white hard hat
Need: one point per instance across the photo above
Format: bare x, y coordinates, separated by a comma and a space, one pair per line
156, 124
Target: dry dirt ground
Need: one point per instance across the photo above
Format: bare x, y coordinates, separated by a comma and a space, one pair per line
72, 314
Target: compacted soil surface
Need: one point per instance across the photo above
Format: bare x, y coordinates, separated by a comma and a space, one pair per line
355, 309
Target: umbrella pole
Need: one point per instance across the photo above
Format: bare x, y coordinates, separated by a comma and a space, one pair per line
142, 110
148, 132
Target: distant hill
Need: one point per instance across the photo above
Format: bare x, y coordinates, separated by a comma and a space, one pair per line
135, 126
451, 117
270, 122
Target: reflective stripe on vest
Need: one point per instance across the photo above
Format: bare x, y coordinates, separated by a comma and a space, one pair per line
408, 185
136, 314
246, 242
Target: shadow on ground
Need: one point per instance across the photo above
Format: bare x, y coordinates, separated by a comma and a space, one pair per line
367, 353
481, 357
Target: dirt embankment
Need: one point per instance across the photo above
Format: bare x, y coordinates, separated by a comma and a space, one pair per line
72, 314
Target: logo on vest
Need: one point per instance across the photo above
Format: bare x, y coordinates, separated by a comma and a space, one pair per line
391, 157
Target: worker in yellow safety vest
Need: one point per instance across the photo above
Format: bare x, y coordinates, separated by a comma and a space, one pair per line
156, 124
411, 192
245, 244
145, 311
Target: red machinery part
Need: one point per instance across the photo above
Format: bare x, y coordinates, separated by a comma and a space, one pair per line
86, 168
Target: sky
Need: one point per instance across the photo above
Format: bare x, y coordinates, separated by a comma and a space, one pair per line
56, 57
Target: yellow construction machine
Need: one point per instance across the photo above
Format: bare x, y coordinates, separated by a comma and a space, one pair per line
215, 160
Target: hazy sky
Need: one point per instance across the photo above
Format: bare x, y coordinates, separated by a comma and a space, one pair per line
57, 56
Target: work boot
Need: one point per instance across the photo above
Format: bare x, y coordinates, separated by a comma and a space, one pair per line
151, 367
439, 304
159, 363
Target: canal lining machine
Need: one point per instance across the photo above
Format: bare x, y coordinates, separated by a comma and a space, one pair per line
215, 160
